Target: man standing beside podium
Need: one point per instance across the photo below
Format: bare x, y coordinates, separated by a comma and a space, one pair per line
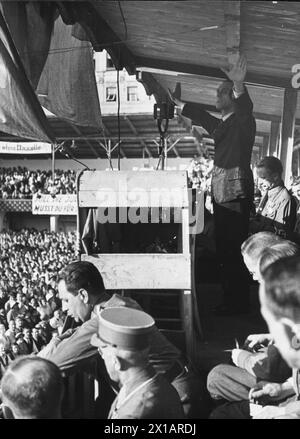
232, 180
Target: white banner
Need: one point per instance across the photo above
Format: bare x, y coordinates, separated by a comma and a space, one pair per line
25, 148
58, 205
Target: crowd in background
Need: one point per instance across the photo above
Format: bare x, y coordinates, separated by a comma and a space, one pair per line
22, 183
30, 310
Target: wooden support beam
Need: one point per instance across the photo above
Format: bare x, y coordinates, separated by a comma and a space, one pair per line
274, 138
264, 148
210, 72
173, 146
287, 132
153, 87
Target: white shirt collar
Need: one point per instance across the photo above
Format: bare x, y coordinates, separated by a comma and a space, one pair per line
226, 116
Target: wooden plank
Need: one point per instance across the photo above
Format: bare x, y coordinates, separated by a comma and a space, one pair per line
273, 139
143, 271
287, 132
188, 322
204, 70
185, 232
133, 189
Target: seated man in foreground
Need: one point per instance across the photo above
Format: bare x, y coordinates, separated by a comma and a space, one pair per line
280, 306
32, 388
123, 341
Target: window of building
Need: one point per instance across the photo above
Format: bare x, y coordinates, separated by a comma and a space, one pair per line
132, 94
109, 62
111, 94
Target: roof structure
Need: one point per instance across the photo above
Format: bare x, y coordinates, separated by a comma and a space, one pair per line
164, 43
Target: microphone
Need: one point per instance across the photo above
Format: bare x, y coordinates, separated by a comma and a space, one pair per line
65, 149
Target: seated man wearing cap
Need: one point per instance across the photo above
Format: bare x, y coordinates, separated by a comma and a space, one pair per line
82, 292
123, 340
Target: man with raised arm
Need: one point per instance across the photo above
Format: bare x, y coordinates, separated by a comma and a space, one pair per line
232, 179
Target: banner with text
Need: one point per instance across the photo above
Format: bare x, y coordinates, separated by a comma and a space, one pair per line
58, 205
25, 148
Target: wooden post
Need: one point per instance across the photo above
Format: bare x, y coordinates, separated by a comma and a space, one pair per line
264, 149
54, 223
53, 162
273, 139
287, 132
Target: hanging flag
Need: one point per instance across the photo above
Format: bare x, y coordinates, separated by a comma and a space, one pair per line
20, 112
67, 85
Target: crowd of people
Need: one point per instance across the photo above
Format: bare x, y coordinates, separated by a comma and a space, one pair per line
30, 310
22, 183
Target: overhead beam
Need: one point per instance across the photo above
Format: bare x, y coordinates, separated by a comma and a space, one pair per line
287, 132
153, 87
210, 72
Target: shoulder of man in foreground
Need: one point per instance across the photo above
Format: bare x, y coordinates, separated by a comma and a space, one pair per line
68, 352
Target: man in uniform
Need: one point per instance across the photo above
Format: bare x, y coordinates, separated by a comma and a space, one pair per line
82, 292
123, 341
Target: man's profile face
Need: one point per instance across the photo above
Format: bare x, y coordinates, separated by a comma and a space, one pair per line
108, 355
224, 99
252, 267
73, 305
266, 180
283, 336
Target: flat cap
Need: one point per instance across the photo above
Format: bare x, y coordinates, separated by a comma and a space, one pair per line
125, 328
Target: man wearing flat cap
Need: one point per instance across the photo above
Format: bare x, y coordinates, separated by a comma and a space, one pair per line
123, 341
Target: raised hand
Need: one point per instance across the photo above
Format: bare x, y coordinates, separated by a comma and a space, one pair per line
237, 71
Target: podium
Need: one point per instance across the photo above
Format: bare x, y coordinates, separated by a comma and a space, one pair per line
156, 197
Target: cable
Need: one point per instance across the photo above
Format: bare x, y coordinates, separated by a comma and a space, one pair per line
64, 150
159, 160
118, 117
124, 21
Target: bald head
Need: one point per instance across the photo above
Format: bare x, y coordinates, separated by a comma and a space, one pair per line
32, 388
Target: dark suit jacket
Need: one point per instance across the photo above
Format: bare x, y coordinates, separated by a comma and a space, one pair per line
234, 139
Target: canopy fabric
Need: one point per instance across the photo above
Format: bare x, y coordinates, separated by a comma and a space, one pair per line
67, 86
20, 112
26, 21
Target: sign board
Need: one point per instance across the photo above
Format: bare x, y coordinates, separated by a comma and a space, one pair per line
58, 205
25, 148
